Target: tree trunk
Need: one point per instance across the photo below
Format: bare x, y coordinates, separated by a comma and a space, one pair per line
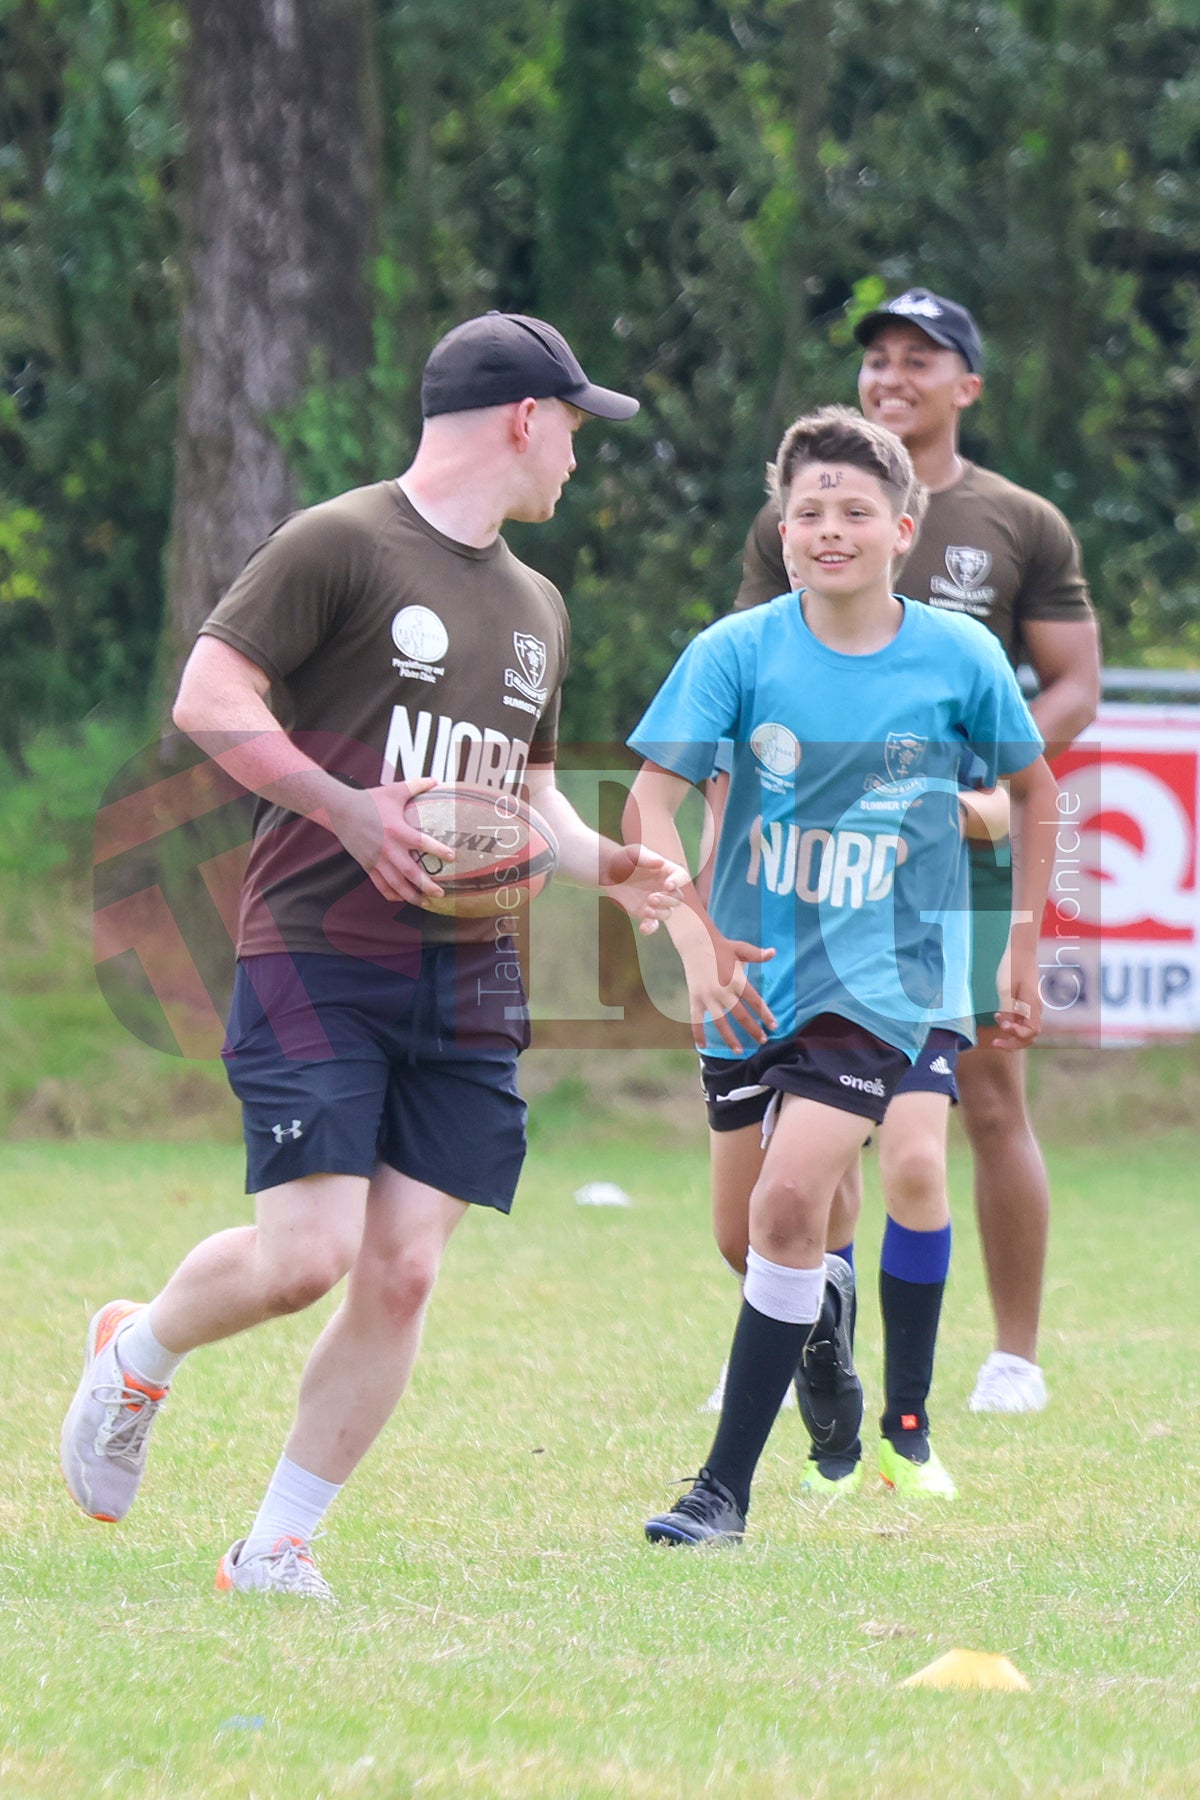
278, 210
804, 58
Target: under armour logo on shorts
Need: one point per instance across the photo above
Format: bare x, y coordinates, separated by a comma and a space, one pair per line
293, 1131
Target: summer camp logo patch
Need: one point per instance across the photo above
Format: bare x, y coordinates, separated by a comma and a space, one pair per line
422, 641
962, 588
778, 753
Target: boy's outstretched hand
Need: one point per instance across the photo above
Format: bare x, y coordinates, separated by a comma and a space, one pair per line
644, 884
718, 981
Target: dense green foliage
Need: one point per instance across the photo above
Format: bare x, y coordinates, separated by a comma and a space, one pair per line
697, 193
87, 350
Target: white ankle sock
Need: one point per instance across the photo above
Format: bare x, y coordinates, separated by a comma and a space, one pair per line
293, 1506
140, 1353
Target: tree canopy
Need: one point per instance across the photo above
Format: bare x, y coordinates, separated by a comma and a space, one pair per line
703, 196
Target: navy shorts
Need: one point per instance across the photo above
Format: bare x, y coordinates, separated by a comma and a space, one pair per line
342, 1064
829, 1059
934, 1071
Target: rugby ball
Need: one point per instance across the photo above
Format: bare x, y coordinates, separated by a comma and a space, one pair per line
505, 853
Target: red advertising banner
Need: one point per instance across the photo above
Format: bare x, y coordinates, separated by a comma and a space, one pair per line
1120, 952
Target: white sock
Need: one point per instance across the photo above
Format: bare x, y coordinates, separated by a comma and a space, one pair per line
293, 1506
793, 1296
140, 1353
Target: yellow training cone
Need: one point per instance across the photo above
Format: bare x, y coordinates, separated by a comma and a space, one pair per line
969, 1669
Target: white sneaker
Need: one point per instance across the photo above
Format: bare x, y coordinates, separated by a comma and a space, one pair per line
716, 1399
106, 1433
1008, 1384
287, 1569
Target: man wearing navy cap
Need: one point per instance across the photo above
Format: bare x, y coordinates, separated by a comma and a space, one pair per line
1005, 556
372, 647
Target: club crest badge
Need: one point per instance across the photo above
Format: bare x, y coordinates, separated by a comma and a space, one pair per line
903, 754
968, 567
531, 654
530, 676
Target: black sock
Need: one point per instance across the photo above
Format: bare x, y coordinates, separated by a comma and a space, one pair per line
762, 1361
911, 1310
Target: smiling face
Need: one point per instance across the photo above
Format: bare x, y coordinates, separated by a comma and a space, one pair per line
841, 531
913, 386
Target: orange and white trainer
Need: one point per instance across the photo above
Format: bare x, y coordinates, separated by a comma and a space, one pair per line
287, 1569
105, 1435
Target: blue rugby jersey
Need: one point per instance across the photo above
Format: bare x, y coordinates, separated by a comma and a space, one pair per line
841, 843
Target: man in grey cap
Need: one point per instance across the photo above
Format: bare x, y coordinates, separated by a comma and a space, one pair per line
1005, 556
373, 646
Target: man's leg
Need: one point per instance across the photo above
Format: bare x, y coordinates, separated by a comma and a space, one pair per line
1012, 1204
354, 1377
305, 1236
361, 1363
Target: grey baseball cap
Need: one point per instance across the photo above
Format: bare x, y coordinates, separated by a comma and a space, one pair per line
945, 321
501, 357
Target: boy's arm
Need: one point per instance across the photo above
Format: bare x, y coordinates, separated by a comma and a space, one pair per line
714, 965
1035, 826
644, 884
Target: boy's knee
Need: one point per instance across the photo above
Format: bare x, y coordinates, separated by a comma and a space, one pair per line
913, 1176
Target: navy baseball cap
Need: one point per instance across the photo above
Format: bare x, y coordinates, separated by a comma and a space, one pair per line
502, 357
945, 321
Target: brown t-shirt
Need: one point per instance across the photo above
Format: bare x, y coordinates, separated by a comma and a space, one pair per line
393, 652
985, 547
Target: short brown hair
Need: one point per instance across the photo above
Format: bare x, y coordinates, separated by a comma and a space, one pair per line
839, 434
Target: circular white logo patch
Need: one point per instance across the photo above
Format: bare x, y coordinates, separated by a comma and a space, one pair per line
419, 634
776, 748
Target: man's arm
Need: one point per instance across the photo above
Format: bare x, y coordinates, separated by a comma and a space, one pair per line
1065, 654
1035, 826
642, 882
986, 814
222, 706
714, 965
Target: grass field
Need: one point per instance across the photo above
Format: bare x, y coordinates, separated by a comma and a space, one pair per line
504, 1630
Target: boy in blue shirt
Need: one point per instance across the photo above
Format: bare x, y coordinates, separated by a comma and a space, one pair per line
837, 932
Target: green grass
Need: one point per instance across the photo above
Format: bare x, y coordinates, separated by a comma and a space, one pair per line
504, 1629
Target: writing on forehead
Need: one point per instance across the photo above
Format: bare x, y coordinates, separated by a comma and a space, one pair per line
828, 480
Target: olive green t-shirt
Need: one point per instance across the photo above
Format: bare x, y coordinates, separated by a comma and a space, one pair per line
393, 652
985, 547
